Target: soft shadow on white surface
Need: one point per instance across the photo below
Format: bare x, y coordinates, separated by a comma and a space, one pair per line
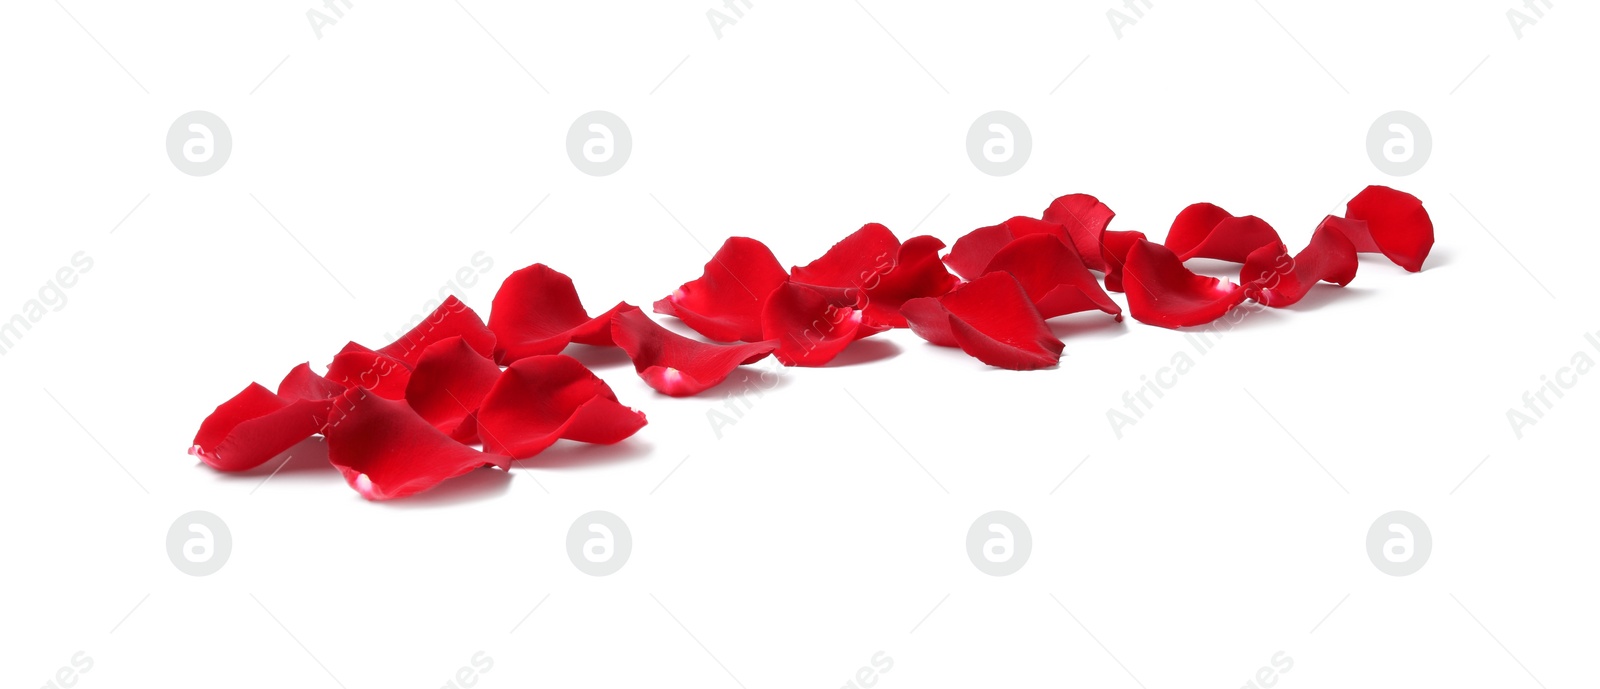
1324, 294
599, 358
567, 454
865, 352
1094, 325
478, 484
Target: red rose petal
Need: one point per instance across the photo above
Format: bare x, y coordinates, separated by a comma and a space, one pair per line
449, 381
537, 311
356, 366
1114, 246
676, 365
1204, 230
386, 450
971, 254
304, 384
254, 426
725, 303
808, 328
1272, 278
1084, 219
1163, 292
917, 272
541, 399
1054, 277
451, 319
856, 261
990, 318
1396, 225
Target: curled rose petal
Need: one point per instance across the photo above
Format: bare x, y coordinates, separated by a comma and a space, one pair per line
356, 366
917, 272
990, 318
1083, 218
451, 319
676, 365
537, 311
1272, 278
385, 450
449, 381
1395, 223
1163, 292
254, 426
873, 264
1114, 246
1054, 276
1204, 230
808, 329
542, 399
304, 384
725, 302
856, 261
973, 251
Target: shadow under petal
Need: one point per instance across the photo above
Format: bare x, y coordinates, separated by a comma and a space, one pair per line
474, 485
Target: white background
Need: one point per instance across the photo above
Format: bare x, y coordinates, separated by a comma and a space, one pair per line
829, 523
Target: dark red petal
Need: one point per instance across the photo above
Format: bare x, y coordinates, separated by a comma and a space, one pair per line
808, 328
973, 251
725, 303
1083, 218
989, 318
917, 272
676, 365
856, 261
1114, 248
1397, 223
1272, 278
1206, 231
1054, 276
537, 311
385, 450
451, 319
304, 384
1163, 292
541, 399
356, 366
449, 381
254, 426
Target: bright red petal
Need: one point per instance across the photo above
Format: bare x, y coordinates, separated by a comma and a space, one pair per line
254, 426
304, 384
1272, 278
1206, 231
541, 399
1163, 292
1054, 277
676, 365
808, 328
356, 366
973, 251
1114, 248
537, 311
448, 383
990, 318
1396, 225
1084, 219
856, 261
725, 303
451, 319
385, 450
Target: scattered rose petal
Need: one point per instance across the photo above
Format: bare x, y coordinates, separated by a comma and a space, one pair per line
1204, 230
1054, 276
872, 264
971, 254
725, 302
1114, 246
1163, 292
537, 311
254, 426
541, 399
1396, 225
449, 381
676, 365
990, 318
451, 319
356, 366
808, 328
1084, 219
385, 450
304, 384
1272, 278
